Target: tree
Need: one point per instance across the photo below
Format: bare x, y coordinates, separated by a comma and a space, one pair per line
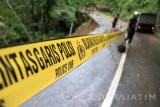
11, 8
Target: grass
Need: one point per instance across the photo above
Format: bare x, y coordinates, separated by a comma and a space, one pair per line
108, 14
157, 33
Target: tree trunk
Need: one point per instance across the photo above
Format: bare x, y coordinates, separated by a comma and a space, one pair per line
71, 29
158, 14
11, 8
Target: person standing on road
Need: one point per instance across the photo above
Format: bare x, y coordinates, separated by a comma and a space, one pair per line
115, 21
131, 28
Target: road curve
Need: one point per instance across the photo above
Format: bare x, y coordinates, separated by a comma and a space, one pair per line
87, 85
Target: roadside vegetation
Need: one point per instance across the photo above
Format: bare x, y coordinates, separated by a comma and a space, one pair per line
127, 8
24, 21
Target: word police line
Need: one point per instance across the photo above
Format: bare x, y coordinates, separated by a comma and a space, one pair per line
32, 61
27, 69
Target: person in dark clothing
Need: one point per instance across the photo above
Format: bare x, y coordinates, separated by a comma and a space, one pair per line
115, 21
131, 29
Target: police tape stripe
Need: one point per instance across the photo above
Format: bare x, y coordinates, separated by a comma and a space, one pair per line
27, 69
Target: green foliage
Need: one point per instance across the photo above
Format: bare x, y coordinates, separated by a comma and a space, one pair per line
127, 8
66, 13
50, 19
33, 15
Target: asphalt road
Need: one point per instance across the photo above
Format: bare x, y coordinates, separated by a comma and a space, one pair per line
140, 82
87, 85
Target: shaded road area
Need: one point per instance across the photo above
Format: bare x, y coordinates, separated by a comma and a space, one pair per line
140, 81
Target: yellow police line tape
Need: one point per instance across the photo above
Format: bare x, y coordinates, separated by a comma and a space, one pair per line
27, 69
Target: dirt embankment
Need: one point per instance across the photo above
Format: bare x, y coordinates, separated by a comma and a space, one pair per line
86, 24
86, 27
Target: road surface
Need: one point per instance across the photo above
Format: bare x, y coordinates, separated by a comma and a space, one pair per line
140, 81
87, 85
